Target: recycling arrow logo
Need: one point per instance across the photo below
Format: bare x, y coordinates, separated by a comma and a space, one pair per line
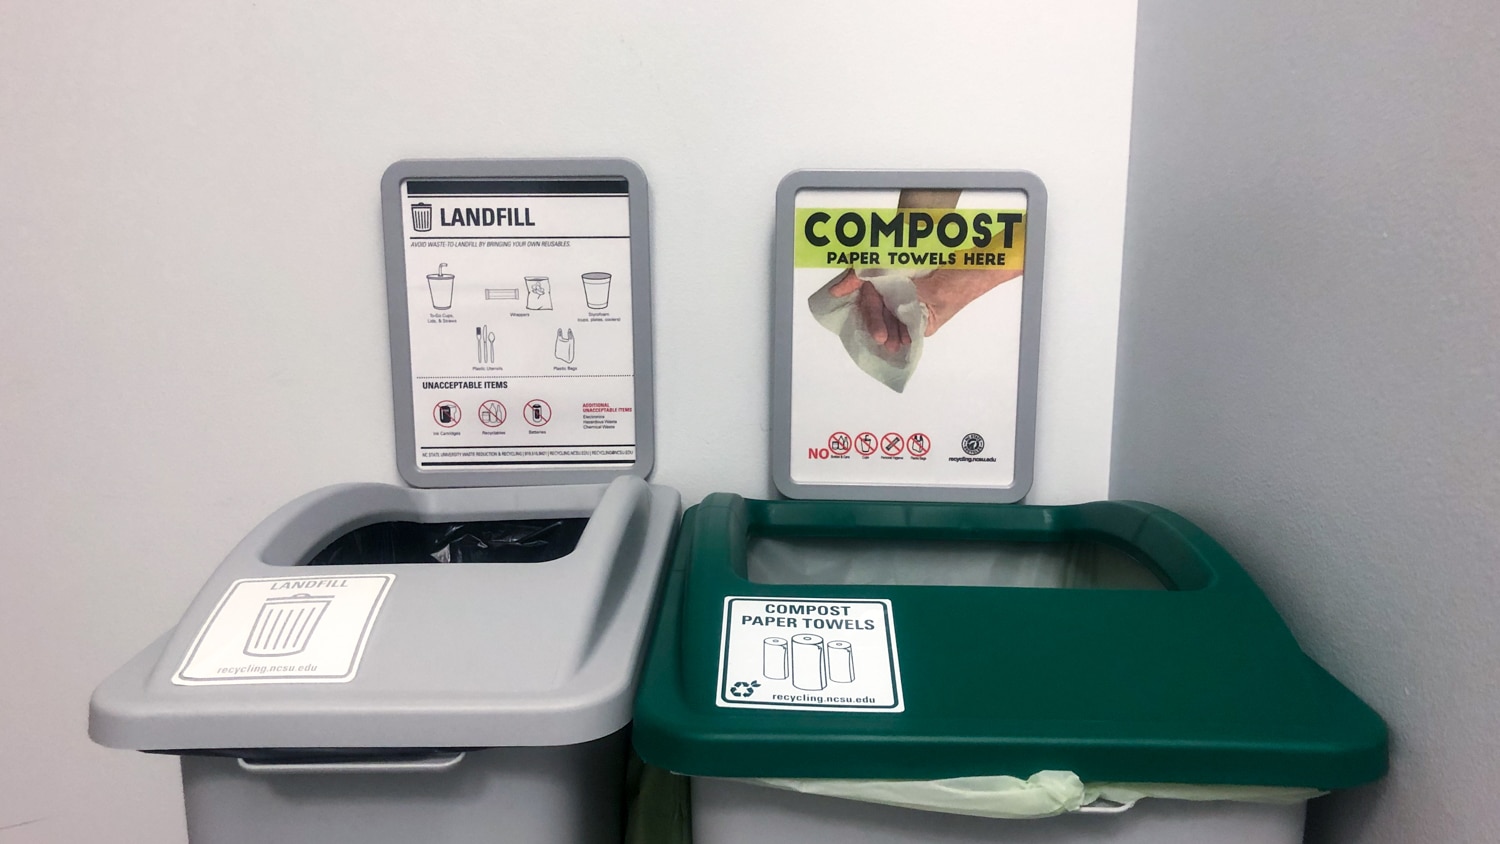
744, 689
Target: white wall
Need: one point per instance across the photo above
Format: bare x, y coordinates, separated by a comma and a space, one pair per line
194, 331
1309, 365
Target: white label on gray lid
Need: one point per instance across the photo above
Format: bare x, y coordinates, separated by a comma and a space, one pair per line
286, 630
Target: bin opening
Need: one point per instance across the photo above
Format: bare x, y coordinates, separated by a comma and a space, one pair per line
515, 541
1072, 564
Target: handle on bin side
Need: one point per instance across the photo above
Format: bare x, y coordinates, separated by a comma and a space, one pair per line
431, 764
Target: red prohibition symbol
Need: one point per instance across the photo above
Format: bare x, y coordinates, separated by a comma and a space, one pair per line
447, 414
840, 443
492, 414
538, 413
918, 445
892, 444
864, 443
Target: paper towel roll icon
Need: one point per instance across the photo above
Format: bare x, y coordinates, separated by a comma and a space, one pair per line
840, 657
809, 670
777, 658
285, 625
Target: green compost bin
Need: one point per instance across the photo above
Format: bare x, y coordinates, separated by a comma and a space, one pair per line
1199, 682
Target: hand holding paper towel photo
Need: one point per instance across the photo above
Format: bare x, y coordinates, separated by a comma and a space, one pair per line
879, 320
882, 316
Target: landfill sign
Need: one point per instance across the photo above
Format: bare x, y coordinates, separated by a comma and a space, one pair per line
519, 292
286, 630
809, 654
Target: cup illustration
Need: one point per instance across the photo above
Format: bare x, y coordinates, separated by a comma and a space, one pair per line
284, 626
421, 217
596, 290
440, 287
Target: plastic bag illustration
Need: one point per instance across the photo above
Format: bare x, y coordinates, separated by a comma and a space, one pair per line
562, 349
538, 293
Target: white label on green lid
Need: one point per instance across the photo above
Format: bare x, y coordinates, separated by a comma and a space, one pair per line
809, 654
286, 630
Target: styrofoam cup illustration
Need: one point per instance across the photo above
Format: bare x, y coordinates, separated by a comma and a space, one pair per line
284, 626
809, 667
777, 658
440, 288
840, 662
421, 217
596, 290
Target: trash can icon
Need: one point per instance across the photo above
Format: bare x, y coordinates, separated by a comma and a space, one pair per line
284, 626
421, 216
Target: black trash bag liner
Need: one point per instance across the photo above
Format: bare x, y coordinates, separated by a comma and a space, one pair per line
517, 541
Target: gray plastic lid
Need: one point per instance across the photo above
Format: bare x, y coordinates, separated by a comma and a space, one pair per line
520, 320
865, 423
471, 655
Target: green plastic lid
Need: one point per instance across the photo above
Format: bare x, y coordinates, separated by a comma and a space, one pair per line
1198, 683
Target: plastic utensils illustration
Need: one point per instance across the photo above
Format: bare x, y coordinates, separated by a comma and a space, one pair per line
562, 348
440, 288
484, 344
596, 290
538, 293
284, 626
421, 217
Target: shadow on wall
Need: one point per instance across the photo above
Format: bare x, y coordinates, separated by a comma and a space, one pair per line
1346, 815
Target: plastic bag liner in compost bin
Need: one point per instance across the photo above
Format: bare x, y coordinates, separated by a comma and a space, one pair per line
515, 541
1077, 564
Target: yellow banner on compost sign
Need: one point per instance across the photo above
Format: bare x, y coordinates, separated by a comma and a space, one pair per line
910, 238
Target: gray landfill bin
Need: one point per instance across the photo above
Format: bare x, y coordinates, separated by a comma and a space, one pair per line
452, 661
490, 700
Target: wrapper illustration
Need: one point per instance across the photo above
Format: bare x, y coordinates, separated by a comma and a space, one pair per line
538, 293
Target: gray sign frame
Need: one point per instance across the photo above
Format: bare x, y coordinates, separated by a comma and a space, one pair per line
551, 169
783, 302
